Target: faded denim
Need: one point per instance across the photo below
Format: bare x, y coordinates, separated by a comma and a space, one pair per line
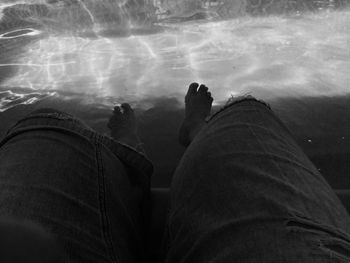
244, 191
88, 190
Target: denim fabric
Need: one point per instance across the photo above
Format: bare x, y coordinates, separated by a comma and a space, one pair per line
245, 192
88, 190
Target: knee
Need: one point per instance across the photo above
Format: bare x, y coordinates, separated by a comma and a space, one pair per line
51, 113
56, 114
48, 111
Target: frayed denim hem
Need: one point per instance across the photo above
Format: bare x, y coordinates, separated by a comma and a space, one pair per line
235, 100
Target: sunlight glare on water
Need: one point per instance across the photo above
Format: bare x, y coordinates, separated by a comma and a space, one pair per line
271, 56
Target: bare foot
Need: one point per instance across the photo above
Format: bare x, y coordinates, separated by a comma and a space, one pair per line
198, 107
123, 125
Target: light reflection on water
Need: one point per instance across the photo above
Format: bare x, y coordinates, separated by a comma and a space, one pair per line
269, 57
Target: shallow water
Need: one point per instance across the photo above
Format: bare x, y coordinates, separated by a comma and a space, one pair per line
92, 56
300, 54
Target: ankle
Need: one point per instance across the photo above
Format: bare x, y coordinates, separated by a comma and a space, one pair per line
189, 130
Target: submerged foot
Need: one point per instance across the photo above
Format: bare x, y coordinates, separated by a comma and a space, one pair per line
198, 106
123, 125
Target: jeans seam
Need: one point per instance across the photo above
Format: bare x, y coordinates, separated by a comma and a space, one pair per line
272, 156
103, 207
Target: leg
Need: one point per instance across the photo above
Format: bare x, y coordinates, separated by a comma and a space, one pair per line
245, 192
198, 106
86, 189
123, 126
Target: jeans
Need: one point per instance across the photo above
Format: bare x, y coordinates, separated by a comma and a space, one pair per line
243, 192
91, 192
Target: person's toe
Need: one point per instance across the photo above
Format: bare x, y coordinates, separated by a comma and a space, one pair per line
127, 108
192, 89
203, 89
117, 110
